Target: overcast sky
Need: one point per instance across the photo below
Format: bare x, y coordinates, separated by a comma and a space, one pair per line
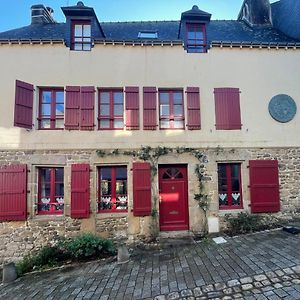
16, 13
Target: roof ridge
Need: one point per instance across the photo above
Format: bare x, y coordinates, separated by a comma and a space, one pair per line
157, 21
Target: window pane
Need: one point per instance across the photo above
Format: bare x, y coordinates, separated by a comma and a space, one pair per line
59, 175
121, 173
59, 97
118, 97
178, 124
222, 170
177, 96
164, 110
78, 46
164, 124
105, 188
178, 110
236, 199
118, 124
45, 123
223, 199
46, 109
59, 123
59, 109
87, 40
235, 184
164, 98
78, 39
199, 34
46, 97
104, 97
78, 30
104, 110
118, 110
86, 47
104, 124
86, 30
191, 34
234, 170
105, 173
59, 189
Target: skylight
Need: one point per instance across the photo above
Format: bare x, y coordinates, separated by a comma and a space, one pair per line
148, 34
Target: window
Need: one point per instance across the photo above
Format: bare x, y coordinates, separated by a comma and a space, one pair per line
112, 189
51, 191
196, 39
111, 109
81, 36
51, 113
230, 189
148, 35
171, 113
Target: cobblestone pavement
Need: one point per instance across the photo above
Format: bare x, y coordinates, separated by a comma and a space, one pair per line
258, 266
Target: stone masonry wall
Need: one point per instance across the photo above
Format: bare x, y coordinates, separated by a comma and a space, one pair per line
18, 238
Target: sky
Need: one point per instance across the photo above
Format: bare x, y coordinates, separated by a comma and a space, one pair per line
16, 13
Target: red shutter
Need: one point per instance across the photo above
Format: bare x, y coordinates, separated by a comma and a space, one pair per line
23, 105
87, 108
141, 189
150, 118
227, 107
132, 108
13, 193
72, 109
193, 108
80, 191
264, 186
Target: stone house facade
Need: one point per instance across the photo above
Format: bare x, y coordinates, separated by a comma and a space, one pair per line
136, 129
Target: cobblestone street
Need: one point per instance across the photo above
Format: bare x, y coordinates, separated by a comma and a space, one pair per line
258, 266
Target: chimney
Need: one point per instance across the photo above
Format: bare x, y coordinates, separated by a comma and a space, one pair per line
256, 12
41, 14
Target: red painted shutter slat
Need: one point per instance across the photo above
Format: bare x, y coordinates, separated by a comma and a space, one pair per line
23, 105
80, 191
72, 107
264, 186
132, 108
149, 112
87, 108
193, 108
227, 108
13, 193
141, 189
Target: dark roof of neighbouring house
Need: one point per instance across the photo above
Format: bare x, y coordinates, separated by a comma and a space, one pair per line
217, 31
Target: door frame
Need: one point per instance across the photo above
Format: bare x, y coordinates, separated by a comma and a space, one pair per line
186, 201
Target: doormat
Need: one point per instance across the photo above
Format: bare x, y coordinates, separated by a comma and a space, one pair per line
292, 230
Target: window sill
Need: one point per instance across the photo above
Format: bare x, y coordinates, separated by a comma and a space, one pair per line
106, 215
43, 217
223, 212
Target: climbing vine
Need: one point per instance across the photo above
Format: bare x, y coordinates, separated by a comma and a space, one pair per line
152, 155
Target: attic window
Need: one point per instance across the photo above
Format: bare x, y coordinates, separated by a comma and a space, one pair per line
196, 38
148, 35
81, 36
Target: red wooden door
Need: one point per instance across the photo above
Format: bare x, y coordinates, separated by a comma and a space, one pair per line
173, 198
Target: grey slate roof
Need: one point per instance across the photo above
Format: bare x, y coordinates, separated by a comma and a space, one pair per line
217, 31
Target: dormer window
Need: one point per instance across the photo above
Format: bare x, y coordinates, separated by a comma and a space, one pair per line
81, 36
196, 39
148, 35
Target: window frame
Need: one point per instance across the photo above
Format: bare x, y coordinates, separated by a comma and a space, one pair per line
229, 186
53, 116
194, 45
53, 183
113, 189
82, 43
148, 32
111, 118
171, 118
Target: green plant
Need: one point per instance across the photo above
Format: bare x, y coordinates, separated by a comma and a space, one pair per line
88, 246
244, 223
48, 256
82, 247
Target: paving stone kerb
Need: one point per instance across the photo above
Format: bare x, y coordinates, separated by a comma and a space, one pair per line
259, 266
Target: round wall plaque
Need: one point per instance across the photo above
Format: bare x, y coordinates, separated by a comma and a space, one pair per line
282, 108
